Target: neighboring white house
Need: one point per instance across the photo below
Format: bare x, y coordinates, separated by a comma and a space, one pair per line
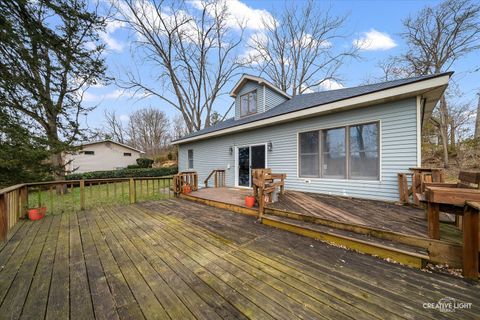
102, 155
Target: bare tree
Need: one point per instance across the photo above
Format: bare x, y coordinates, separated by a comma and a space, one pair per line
437, 37
296, 48
192, 49
148, 129
179, 130
114, 127
460, 118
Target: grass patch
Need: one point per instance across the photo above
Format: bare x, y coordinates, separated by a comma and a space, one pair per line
96, 194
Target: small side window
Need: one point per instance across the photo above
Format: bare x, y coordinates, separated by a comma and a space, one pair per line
89, 153
190, 158
127, 154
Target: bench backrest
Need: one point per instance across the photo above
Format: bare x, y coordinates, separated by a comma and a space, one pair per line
469, 179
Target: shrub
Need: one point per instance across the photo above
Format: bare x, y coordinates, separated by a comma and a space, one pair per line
133, 166
124, 173
144, 162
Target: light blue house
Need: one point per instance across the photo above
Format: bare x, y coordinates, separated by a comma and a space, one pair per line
349, 142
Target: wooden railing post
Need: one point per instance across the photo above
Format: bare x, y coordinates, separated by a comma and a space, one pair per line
3, 218
82, 194
132, 191
471, 240
23, 201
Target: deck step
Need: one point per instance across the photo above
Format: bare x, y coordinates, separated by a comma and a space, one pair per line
402, 253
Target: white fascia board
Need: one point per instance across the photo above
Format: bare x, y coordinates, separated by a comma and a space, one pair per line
411, 89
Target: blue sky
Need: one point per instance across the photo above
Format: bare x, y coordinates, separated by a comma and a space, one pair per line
379, 21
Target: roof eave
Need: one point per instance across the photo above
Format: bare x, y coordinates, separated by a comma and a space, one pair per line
261, 81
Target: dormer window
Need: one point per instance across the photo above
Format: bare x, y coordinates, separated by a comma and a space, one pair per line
248, 103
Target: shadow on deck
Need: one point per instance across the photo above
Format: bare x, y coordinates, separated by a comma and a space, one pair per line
175, 259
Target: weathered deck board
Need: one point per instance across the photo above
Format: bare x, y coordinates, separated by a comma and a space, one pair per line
377, 214
177, 259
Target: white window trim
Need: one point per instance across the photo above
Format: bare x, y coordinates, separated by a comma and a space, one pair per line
248, 107
188, 159
356, 123
236, 161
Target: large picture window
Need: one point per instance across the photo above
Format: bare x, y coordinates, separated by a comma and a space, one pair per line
350, 152
248, 103
309, 154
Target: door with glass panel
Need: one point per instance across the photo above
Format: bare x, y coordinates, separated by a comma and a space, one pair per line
251, 157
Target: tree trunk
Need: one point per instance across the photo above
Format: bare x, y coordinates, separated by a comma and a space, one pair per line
452, 136
477, 122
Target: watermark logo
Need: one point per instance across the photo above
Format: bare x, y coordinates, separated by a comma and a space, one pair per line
447, 304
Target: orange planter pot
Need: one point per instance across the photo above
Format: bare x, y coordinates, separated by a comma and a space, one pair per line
250, 201
36, 213
187, 189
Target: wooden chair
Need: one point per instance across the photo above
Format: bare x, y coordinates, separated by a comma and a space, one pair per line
264, 184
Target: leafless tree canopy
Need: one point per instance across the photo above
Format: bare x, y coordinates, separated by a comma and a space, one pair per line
192, 52
295, 51
147, 129
114, 128
437, 37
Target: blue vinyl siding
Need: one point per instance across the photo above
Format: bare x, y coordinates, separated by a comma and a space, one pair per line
398, 145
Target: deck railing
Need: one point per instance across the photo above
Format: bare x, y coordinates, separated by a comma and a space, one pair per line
183, 179
74, 195
219, 178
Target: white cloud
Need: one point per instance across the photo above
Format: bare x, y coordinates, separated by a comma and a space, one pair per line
107, 36
374, 40
239, 14
113, 95
329, 84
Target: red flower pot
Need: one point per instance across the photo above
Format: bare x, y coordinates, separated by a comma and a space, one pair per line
187, 189
36, 213
250, 201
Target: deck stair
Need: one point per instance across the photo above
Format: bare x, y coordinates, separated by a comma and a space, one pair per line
408, 249
406, 254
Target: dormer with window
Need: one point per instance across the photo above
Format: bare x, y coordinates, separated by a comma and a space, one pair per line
254, 95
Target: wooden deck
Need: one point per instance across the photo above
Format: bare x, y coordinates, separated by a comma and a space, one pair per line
176, 259
369, 213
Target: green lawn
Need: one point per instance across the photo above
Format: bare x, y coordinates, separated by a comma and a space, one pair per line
96, 194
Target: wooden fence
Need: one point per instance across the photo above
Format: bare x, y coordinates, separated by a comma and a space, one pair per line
70, 196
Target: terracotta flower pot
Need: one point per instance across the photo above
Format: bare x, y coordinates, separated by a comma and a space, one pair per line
187, 189
37, 213
250, 201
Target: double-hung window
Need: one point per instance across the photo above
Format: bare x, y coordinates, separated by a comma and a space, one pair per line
190, 158
349, 152
248, 104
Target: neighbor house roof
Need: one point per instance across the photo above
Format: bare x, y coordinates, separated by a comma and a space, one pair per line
431, 87
110, 141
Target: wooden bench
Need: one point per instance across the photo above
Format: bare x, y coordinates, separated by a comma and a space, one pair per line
264, 183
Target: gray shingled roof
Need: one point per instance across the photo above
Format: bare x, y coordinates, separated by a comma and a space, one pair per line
309, 100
